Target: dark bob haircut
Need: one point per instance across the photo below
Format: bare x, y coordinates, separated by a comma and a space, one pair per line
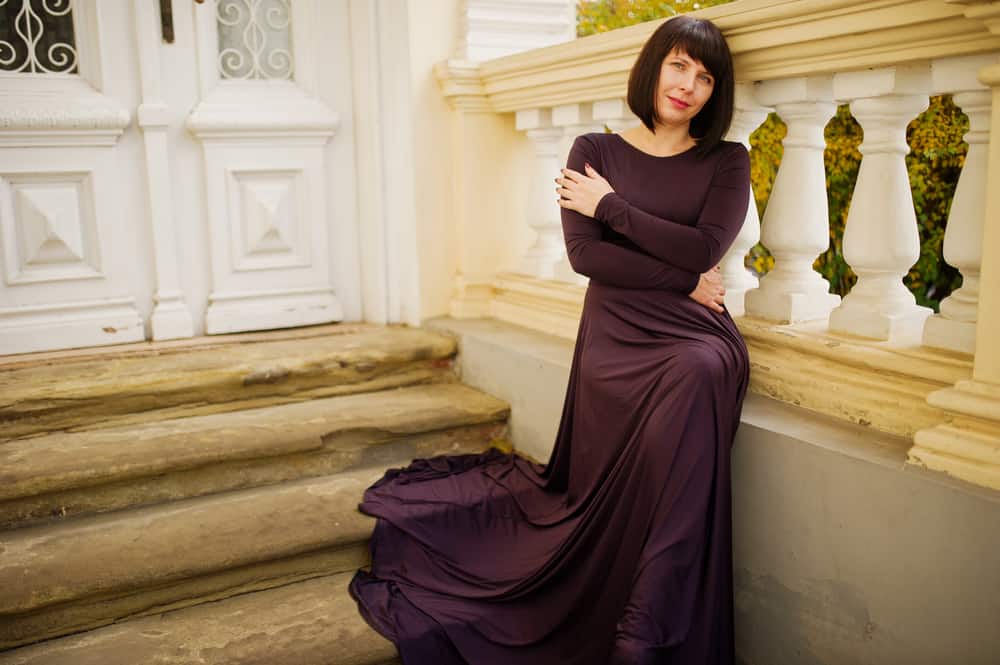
701, 40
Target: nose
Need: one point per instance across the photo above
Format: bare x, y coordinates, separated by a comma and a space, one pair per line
687, 82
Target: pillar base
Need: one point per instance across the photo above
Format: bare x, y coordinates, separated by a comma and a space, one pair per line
856, 318
944, 333
790, 307
171, 320
471, 300
968, 446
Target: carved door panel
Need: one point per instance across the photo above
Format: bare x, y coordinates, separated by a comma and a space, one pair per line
65, 260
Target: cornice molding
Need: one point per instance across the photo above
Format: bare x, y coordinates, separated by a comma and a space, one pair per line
462, 85
769, 38
58, 118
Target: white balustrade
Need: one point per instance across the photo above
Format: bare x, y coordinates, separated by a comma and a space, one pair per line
796, 226
543, 212
574, 119
747, 116
955, 327
881, 242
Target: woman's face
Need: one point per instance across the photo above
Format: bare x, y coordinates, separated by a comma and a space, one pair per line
685, 86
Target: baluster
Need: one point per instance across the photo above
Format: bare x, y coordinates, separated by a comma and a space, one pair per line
747, 116
543, 212
955, 327
880, 239
575, 119
796, 222
615, 114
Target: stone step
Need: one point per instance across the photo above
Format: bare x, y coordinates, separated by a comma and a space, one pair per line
66, 577
68, 474
143, 382
311, 622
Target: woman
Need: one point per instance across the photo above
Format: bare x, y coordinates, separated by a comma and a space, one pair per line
619, 549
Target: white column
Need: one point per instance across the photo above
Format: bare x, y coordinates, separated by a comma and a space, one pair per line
543, 211
171, 317
880, 239
747, 116
574, 120
955, 327
796, 227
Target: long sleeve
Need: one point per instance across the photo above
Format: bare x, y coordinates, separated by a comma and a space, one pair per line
696, 248
606, 262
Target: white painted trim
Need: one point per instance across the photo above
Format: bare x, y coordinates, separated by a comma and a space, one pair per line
171, 318
384, 153
88, 323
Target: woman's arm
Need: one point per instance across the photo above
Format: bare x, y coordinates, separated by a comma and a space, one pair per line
606, 262
695, 248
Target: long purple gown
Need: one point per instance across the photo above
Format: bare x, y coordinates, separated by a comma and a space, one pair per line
619, 549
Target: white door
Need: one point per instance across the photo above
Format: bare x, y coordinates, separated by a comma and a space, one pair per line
163, 176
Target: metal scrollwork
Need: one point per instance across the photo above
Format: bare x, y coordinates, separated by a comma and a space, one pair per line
255, 39
36, 37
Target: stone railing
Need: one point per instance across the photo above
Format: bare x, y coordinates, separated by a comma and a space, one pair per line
874, 357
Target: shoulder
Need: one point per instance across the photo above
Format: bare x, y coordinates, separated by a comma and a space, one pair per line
593, 141
729, 155
728, 150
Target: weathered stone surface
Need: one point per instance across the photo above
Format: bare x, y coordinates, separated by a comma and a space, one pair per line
65, 577
78, 472
58, 393
314, 622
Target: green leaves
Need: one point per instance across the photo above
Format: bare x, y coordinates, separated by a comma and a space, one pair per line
594, 16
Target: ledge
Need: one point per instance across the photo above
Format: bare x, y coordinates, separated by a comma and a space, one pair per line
870, 383
769, 38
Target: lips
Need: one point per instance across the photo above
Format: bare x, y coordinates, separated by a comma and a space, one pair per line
678, 104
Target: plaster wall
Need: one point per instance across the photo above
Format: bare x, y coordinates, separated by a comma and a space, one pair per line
433, 36
843, 554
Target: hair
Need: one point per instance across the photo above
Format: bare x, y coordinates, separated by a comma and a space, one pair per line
701, 40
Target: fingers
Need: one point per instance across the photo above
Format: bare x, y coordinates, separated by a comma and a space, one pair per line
570, 174
592, 172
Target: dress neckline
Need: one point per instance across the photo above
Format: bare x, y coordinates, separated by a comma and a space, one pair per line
649, 154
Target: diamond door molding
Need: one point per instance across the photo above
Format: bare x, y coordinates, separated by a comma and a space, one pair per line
263, 140
49, 227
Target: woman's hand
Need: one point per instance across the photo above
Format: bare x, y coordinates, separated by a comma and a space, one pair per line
581, 192
710, 291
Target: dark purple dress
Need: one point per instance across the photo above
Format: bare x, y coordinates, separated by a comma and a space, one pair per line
619, 549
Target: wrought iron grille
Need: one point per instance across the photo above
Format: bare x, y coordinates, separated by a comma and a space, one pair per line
255, 39
36, 37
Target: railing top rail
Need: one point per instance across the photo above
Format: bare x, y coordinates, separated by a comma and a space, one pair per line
770, 39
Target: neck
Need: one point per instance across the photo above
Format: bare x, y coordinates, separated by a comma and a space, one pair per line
668, 139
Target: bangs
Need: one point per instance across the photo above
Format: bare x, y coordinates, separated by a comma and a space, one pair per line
701, 43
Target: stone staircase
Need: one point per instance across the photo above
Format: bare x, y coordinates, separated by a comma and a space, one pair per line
197, 503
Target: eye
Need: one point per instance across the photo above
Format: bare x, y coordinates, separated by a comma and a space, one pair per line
706, 78
678, 65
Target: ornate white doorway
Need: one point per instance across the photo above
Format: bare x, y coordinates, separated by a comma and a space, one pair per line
171, 173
